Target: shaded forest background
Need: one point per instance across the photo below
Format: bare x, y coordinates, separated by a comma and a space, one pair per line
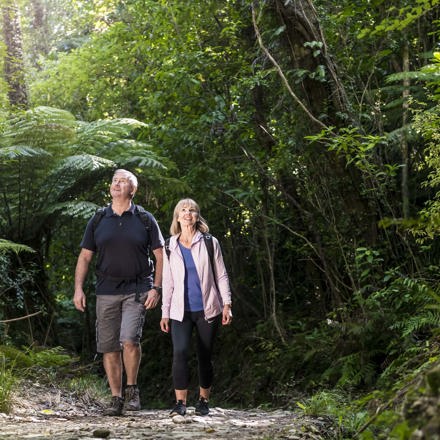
308, 131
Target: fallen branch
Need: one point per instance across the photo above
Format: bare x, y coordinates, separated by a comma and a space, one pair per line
21, 318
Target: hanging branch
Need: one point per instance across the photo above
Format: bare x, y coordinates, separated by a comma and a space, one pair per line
281, 73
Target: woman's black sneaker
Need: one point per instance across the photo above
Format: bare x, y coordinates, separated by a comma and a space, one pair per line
179, 409
202, 408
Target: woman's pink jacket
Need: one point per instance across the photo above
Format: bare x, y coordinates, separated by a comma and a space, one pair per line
173, 303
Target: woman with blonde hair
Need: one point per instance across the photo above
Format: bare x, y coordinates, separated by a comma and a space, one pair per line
195, 295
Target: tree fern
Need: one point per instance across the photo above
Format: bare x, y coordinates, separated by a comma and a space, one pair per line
55, 163
50, 158
93, 136
44, 127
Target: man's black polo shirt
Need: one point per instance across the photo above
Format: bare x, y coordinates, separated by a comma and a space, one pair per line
121, 244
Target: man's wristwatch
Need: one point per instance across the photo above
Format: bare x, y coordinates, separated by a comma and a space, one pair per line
158, 289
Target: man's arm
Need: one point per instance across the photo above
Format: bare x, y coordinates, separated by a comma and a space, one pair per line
82, 267
158, 254
153, 295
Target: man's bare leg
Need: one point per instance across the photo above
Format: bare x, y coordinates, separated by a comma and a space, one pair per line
113, 369
132, 358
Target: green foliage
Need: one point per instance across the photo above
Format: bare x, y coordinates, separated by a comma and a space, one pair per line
399, 18
14, 282
7, 384
90, 387
47, 366
14, 358
50, 358
26, 360
426, 123
335, 404
322, 403
330, 288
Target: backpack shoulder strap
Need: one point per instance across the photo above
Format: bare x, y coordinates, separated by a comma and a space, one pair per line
210, 248
99, 214
144, 215
167, 247
145, 218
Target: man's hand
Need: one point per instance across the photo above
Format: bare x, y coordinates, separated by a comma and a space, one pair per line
82, 266
79, 299
152, 299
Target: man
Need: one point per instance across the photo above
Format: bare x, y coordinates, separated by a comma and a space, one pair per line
121, 237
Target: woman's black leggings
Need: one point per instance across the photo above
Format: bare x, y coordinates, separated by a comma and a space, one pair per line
181, 333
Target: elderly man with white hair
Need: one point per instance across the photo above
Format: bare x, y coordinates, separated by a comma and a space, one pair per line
127, 284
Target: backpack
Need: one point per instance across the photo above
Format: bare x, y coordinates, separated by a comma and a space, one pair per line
209, 246
143, 214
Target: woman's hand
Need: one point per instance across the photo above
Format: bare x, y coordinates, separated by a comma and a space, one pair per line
165, 325
227, 314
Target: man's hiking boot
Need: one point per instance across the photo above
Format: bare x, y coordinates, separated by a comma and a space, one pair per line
115, 407
179, 409
132, 401
202, 408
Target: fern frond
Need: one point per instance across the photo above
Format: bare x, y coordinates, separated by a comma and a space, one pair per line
8, 246
81, 209
21, 151
129, 123
98, 134
41, 126
355, 370
133, 153
431, 319
64, 181
142, 162
415, 76
85, 162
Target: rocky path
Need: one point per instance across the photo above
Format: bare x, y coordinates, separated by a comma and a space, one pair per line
58, 415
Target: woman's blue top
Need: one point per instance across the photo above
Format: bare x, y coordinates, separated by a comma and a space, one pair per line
192, 289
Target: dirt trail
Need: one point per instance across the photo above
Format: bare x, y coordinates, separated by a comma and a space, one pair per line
48, 413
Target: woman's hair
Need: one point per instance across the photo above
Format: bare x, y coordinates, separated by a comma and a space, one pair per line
201, 224
131, 178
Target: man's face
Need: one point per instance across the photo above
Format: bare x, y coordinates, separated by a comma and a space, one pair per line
121, 186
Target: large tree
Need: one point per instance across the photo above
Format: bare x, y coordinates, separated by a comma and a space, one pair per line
13, 62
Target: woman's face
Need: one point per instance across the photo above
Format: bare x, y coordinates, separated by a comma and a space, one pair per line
187, 216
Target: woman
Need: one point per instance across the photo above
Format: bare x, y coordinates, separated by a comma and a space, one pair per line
196, 294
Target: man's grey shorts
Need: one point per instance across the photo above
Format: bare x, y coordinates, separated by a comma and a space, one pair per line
119, 319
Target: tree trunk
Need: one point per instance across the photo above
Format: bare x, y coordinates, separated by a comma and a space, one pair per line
324, 102
14, 65
40, 43
404, 140
302, 26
